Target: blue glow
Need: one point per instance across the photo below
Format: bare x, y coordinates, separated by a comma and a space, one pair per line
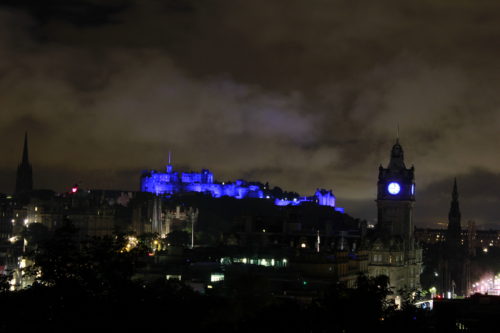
325, 198
172, 182
281, 202
393, 188
413, 189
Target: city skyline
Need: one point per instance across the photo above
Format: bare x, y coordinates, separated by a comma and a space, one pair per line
68, 187
302, 96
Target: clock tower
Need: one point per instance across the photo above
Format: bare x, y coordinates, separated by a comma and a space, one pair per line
392, 248
395, 198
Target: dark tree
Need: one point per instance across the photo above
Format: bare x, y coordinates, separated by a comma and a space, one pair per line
36, 234
179, 238
95, 265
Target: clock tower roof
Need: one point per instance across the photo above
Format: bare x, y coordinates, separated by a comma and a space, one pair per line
397, 157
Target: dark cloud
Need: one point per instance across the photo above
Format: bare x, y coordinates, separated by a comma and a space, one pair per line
302, 94
478, 195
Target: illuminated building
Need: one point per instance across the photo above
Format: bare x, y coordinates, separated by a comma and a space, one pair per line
471, 236
24, 177
393, 250
264, 261
172, 182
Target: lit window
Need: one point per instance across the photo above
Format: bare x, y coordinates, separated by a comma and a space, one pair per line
216, 277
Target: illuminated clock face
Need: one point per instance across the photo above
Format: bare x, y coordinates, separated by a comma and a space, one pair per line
393, 188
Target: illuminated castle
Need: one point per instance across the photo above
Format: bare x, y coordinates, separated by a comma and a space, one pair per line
172, 182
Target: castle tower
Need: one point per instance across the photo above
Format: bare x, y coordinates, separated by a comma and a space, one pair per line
24, 178
392, 248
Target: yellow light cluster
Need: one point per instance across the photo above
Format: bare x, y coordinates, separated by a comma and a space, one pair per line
131, 243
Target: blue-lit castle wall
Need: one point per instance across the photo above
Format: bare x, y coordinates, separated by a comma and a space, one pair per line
173, 182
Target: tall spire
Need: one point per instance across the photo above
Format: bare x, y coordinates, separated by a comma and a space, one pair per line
454, 194
454, 217
455, 207
24, 177
25, 159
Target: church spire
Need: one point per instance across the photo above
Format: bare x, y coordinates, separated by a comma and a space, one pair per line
454, 195
25, 159
454, 207
454, 216
24, 177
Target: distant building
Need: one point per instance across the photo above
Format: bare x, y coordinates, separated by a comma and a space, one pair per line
153, 216
393, 250
180, 218
429, 236
94, 213
172, 182
472, 237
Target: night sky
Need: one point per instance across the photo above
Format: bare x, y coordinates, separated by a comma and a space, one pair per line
302, 94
